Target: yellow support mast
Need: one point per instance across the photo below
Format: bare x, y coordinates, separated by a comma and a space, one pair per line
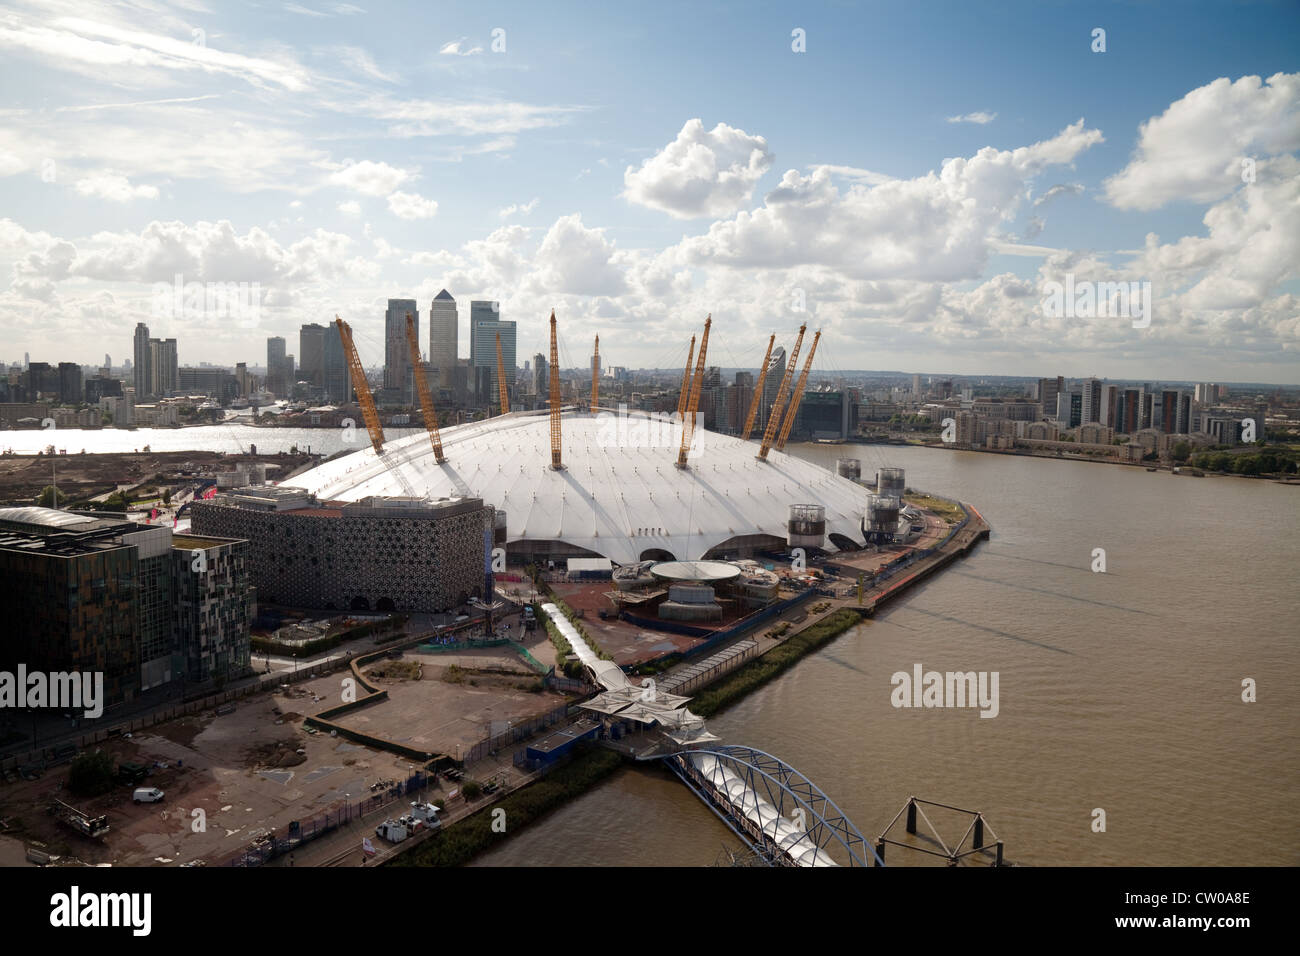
364, 398
688, 431
798, 395
770, 432
556, 463
422, 387
758, 391
501, 379
686, 381
595, 377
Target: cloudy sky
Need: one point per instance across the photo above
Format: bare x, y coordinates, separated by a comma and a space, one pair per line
912, 175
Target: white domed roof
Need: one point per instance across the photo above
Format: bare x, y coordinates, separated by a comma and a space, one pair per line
620, 492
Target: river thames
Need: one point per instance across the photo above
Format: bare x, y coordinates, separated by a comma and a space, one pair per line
1119, 691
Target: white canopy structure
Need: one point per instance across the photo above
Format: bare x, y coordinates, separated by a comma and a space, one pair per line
619, 494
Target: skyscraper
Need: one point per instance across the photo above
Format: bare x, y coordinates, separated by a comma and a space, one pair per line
1091, 391
1048, 389
70, 387
1111, 403
143, 375
275, 377
311, 353
771, 385
1175, 411
1132, 414
338, 384
541, 376
1069, 409
444, 322
398, 378
164, 374
484, 324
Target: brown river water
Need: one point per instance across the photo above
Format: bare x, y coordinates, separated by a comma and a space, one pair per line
1120, 691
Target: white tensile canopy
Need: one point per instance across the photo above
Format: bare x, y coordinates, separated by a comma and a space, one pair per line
619, 494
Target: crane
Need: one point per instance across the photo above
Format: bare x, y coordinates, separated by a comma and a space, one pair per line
555, 399
422, 386
770, 432
360, 386
501, 379
798, 395
758, 391
595, 377
688, 431
686, 381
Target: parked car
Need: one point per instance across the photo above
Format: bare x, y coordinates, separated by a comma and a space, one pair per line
147, 795
129, 772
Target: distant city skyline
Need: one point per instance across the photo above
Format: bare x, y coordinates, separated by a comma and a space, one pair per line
377, 366
917, 204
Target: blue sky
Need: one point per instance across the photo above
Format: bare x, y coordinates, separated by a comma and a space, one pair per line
636, 167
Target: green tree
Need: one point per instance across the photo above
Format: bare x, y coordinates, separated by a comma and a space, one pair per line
49, 498
1181, 451
91, 774
167, 496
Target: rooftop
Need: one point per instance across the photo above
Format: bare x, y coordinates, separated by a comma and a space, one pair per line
46, 517
619, 494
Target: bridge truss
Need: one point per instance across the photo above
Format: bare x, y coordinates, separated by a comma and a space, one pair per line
782, 815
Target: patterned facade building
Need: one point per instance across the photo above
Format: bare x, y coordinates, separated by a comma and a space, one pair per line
212, 608
93, 593
70, 606
395, 553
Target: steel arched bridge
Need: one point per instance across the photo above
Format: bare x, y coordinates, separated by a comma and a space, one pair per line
775, 809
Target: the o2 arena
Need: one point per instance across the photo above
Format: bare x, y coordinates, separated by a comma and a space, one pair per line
625, 486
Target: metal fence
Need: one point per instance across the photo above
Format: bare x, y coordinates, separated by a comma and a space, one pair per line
46, 755
567, 685
276, 844
517, 732
904, 563
446, 646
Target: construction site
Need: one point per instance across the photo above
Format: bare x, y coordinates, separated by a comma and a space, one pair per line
682, 557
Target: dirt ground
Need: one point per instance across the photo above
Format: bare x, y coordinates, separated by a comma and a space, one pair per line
230, 779
22, 477
460, 700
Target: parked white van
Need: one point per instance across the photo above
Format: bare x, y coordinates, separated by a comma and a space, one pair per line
147, 795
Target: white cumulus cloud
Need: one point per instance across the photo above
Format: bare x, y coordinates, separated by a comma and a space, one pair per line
369, 177
411, 206
1194, 150
981, 117
114, 188
937, 227
700, 173
522, 208
459, 47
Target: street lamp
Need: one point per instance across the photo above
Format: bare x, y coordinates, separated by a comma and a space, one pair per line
487, 609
